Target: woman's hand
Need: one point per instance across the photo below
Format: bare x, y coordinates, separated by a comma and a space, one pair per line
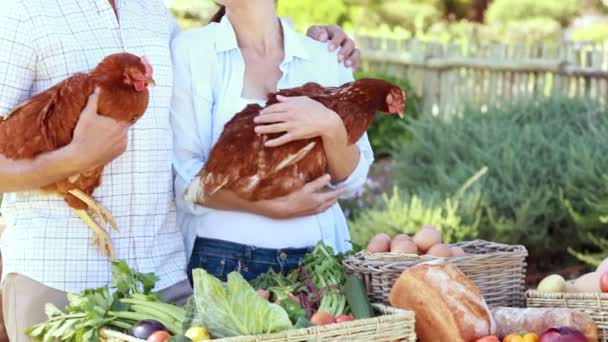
299, 118
310, 200
349, 54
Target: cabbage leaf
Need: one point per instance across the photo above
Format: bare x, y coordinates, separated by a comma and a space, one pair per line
234, 309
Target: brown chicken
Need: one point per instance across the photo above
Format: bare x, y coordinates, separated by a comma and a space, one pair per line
240, 162
46, 122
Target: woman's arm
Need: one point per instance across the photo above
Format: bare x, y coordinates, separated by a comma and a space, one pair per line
310, 200
97, 140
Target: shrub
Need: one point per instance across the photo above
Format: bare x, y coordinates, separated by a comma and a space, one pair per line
547, 183
597, 32
403, 213
503, 11
386, 131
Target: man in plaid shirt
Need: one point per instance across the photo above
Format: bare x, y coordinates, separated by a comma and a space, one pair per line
45, 248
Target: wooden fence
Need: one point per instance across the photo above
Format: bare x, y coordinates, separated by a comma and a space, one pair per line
450, 76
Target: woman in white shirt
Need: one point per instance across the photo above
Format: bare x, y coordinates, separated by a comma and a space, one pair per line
219, 69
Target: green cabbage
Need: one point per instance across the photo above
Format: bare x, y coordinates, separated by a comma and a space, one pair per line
234, 309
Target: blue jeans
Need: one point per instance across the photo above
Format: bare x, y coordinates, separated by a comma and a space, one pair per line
220, 257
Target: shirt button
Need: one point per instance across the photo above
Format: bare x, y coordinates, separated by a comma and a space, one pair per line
283, 256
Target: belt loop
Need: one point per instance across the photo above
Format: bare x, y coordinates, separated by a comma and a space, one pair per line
248, 253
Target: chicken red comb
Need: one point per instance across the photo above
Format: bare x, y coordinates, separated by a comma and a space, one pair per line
146, 62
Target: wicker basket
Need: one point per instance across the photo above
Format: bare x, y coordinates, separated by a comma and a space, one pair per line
594, 304
393, 325
498, 270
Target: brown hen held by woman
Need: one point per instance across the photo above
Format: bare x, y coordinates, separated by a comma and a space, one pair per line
240, 162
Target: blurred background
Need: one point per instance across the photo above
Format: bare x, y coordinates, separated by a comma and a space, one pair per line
507, 126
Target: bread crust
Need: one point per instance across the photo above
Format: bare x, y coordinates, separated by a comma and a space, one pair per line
448, 305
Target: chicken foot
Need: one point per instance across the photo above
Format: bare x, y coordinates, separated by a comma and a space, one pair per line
101, 237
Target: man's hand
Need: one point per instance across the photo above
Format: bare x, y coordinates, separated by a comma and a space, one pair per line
97, 139
349, 54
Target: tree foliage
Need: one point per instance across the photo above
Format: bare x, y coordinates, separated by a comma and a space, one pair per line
504, 11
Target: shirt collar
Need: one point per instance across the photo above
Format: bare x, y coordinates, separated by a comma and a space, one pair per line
292, 41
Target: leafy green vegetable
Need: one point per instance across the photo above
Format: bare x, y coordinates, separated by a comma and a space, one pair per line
294, 310
325, 270
127, 280
86, 313
234, 310
95, 308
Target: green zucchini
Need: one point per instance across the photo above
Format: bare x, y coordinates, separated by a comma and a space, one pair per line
356, 297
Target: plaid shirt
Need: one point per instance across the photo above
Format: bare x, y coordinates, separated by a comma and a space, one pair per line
44, 42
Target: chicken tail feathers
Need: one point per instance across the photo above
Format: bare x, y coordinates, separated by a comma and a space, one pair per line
194, 190
202, 187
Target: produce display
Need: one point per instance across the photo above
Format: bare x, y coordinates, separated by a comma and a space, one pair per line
594, 282
427, 240
447, 304
317, 293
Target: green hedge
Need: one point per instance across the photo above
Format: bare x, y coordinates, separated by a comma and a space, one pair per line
547, 179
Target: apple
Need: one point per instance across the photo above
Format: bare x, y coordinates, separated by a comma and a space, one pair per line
344, 318
562, 334
604, 282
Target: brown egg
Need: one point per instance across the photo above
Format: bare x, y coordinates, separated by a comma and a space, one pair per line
440, 250
427, 237
457, 251
380, 243
406, 246
402, 237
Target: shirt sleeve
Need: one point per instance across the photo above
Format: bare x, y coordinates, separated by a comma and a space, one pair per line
366, 156
191, 115
174, 26
17, 55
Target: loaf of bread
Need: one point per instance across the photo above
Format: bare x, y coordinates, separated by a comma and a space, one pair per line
537, 320
448, 306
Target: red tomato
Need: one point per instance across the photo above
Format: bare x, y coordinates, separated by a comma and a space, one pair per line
344, 318
159, 336
322, 318
604, 282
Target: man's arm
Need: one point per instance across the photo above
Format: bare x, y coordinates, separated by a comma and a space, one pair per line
96, 140
349, 54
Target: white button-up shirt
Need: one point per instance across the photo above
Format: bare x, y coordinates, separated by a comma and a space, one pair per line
44, 42
209, 73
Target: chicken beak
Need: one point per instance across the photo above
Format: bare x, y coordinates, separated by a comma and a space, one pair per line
400, 113
151, 82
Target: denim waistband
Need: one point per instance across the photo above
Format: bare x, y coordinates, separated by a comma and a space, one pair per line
227, 249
